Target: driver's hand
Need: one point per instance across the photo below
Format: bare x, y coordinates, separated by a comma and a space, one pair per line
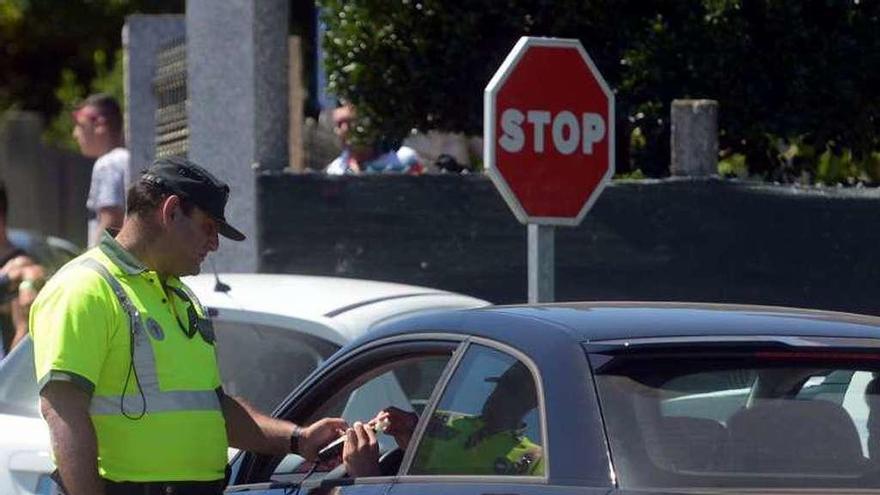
400, 424
361, 451
318, 434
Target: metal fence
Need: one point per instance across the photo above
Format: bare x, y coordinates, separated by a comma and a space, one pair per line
169, 86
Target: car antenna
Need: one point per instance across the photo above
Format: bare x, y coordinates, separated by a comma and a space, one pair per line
219, 286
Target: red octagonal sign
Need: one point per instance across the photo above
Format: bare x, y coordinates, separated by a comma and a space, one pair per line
548, 130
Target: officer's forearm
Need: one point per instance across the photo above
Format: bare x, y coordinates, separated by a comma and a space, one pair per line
65, 408
250, 430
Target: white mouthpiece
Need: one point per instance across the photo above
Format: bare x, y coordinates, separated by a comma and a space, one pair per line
381, 425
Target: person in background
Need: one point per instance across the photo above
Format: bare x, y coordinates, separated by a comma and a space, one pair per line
357, 158
98, 130
20, 279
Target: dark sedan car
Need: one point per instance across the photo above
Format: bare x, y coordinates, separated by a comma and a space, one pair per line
598, 398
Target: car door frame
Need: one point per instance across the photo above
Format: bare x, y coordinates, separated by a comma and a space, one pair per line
341, 369
418, 433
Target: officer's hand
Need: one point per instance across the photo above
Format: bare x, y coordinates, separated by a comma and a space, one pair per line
318, 434
361, 451
400, 424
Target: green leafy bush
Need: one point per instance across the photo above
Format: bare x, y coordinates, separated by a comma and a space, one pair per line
108, 79
801, 70
57, 50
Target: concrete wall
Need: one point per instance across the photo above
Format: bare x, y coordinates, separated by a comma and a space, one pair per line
46, 186
679, 239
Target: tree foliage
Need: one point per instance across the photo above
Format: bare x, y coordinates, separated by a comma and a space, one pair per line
796, 80
53, 51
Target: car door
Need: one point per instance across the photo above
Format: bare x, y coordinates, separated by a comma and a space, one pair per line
487, 432
403, 372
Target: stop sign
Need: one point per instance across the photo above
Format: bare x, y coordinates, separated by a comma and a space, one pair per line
548, 130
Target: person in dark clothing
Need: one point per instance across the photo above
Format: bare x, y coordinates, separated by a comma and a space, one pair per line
20, 278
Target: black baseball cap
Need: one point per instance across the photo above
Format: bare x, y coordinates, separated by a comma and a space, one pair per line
195, 184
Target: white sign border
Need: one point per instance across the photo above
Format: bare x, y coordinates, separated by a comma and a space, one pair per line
489, 108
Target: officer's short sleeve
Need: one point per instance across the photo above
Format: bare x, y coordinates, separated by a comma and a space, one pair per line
71, 326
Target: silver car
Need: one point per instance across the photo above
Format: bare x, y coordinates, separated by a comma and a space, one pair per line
272, 330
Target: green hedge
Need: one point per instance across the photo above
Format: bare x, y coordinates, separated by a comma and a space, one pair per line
786, 72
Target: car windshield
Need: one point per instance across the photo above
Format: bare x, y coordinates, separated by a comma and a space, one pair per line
18, 382
761, 419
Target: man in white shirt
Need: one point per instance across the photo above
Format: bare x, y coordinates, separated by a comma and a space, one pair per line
361, 158
98, 130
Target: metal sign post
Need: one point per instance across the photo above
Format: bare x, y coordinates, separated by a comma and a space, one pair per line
542, 263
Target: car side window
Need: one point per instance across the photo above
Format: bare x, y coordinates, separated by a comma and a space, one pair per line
406, 384
756, 418
486, 423
260, 362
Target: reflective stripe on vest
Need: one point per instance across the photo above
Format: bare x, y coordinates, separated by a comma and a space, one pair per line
154, 400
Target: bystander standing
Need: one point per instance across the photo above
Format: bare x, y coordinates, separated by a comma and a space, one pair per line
20, 279
98, 129
359, 158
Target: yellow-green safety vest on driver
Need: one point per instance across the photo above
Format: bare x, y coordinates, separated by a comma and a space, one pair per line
449, 447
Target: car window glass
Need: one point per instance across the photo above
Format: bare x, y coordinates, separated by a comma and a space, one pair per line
406, 384
730, 391
260, 363
747, 420
487, 421
18, 382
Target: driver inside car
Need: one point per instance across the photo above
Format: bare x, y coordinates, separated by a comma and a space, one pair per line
491, 443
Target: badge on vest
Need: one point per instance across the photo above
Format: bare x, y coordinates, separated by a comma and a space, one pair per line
155, 330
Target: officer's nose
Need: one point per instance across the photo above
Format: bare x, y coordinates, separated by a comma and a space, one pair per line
214, 241
212, 230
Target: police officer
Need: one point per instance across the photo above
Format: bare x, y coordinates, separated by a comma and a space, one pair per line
124, 353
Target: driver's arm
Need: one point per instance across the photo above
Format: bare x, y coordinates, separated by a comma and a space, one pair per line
361, 451
400, 424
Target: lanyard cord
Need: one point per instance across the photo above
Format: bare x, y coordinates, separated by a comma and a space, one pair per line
135, 326
132, 370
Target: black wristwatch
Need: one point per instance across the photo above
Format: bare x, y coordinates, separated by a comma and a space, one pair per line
294, 439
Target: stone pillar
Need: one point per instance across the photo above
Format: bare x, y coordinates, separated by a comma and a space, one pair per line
238, 105
694, 138
142, 37
297, 104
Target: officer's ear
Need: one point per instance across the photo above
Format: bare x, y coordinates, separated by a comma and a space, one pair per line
170, 209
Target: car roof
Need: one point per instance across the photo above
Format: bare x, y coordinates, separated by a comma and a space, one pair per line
51, 252
347, 305
606, 321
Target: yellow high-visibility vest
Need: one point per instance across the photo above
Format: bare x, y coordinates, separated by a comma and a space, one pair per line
106, 323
